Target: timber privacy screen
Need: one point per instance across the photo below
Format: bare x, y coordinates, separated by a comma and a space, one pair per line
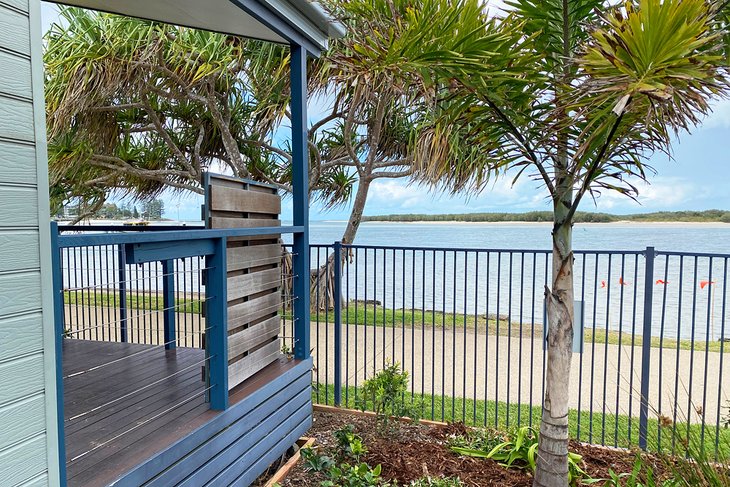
468, 326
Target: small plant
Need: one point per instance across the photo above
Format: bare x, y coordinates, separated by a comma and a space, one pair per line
286, 350
386, 392
344, 474
436, 482
519, 450
640, 476
477, 439
350, 444
360, 475
315, 462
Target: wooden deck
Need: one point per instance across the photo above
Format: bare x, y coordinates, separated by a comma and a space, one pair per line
111, 409
121, 415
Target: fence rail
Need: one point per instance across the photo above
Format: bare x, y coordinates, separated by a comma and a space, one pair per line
468, 326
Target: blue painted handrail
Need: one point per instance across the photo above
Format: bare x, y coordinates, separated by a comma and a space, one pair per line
171, 236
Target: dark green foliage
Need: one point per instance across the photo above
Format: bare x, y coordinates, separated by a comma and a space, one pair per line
356, 474
315, 462
360, 475
350, 444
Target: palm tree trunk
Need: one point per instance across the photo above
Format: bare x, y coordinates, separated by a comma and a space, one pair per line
552, 458
322, 279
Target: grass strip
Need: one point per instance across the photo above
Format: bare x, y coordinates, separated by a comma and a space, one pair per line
620, 430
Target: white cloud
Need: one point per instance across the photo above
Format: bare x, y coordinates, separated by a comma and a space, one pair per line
657, 194
720, 116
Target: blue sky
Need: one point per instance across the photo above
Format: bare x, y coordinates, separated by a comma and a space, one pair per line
697, 179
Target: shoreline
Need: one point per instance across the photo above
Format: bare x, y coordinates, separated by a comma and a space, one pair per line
522, 223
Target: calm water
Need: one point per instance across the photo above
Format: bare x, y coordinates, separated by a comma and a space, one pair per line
510, 284
671, 237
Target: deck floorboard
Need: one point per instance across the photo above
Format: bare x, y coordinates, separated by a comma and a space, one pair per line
127, 412
142, 391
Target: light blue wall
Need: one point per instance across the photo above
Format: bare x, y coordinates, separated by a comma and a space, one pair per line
28, 454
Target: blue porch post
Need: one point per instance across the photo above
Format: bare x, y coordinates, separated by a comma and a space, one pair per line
122, 278
216, 322
300, 197
59, 330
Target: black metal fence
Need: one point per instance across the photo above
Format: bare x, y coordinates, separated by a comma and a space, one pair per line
468, 326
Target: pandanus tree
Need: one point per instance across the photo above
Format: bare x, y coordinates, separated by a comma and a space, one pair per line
606, 86
381, 82
136, 107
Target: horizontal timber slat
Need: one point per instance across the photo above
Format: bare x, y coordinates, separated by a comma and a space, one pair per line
235, 200
244, 368
254, 335
253, 255
252, 310
249, 284
226, 222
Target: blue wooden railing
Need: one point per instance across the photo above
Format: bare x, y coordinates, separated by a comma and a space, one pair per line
165, 246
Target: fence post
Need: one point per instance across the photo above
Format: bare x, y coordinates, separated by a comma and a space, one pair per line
168, 303
122, 278
216, 322
650, 254
338, 321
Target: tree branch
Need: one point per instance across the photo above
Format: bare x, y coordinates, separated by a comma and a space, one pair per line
166, 136
391, 174
524, 143
590, 174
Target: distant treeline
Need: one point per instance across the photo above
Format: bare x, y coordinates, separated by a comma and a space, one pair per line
547, 216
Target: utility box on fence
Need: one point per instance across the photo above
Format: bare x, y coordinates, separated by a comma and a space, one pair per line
577, 327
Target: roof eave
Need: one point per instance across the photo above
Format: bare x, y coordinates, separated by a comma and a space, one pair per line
309, 19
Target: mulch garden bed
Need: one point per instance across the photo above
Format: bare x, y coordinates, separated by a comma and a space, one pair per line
416, 450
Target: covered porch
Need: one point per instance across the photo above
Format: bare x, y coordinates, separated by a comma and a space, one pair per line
144, 400
114, 434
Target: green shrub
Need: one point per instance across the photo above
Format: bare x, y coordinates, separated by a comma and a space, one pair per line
386, 393
350, 445
360, 475
315, 462
345, 474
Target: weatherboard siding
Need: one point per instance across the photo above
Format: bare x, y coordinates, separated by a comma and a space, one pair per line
29, 442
